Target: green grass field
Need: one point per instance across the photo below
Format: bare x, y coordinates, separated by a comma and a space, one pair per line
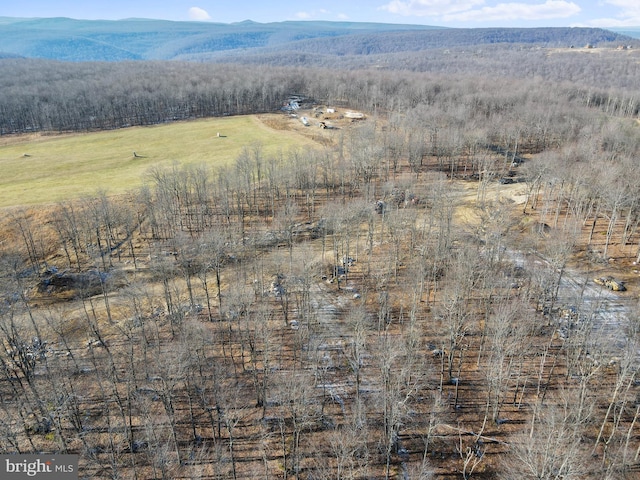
47, 169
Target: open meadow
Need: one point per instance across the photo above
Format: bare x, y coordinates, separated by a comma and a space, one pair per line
38, 169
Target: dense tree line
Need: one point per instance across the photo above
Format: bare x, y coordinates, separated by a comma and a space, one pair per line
55, 96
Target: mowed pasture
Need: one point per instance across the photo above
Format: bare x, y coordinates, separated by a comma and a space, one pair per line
40, 169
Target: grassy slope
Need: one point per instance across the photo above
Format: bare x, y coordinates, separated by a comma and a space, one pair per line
71, 166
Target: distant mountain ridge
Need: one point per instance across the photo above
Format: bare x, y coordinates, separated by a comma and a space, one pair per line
142, 39
628, 31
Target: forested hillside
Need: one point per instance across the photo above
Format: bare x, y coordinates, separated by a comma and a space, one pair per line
136, 39
411, 41
141, 39
443, 286
38, 95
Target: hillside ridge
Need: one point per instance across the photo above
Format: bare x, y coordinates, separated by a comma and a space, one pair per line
144, 39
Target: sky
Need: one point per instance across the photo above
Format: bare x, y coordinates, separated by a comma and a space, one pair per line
445, 13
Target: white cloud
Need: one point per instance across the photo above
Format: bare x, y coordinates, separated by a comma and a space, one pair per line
517, 11
479, 11
610, 22
343, 16
430, 8
626, 5
197, 13
627, 16
313, 14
